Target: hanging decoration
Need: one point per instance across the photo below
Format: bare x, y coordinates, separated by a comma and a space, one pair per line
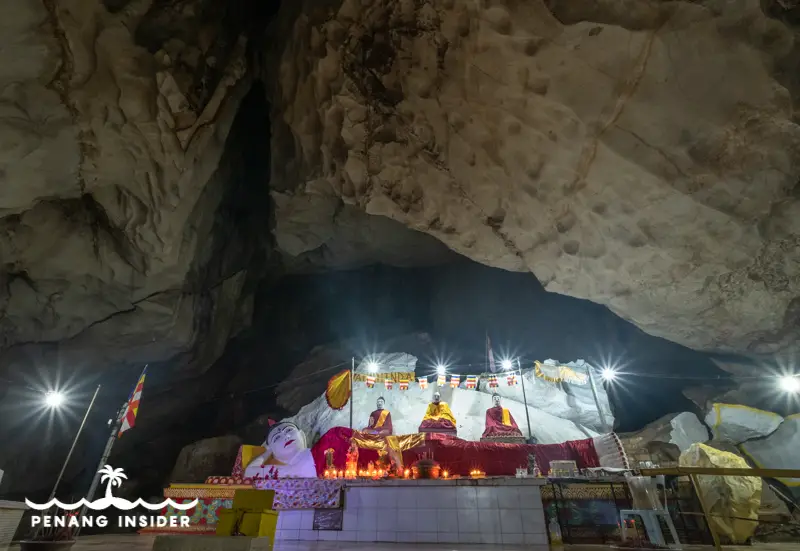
559, 373
492, 381
403, 385
441, 380
340, 386
511, 379
423, 382
370, 381
389, 384
455, 380
395, 376
472, 381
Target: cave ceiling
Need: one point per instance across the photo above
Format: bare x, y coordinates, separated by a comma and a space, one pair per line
639, 154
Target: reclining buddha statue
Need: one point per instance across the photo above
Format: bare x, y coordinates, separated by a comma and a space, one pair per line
287, 455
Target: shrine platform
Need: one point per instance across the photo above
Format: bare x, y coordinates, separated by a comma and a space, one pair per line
491, 510
495, 510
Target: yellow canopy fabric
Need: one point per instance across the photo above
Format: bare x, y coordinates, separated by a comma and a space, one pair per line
339, 388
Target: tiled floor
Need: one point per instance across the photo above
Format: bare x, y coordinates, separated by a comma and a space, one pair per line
145, 543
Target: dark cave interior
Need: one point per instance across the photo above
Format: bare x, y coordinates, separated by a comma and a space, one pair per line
458, 304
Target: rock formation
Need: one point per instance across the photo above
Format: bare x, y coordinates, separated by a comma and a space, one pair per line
639, 154
612, 149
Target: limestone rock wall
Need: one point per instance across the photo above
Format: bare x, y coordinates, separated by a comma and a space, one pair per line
638, 154
113, 118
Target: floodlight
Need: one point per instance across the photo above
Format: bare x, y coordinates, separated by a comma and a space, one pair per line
441, 369
608, 374
790, 383
506, 364
372, 367
53, 399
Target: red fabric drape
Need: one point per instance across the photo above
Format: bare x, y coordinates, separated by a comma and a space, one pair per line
460, 456
580, 451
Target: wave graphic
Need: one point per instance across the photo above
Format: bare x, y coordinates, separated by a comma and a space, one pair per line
115, 502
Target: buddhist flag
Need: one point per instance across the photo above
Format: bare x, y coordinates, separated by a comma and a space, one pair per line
403, 384
472, 381
340, 386
441, 380
132, 408
370, 381
388, 384
492, 381
423, 382
512, 380
455, 380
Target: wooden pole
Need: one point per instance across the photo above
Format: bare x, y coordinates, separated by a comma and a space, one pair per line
706, 512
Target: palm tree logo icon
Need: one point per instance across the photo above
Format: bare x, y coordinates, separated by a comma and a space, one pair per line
114, 478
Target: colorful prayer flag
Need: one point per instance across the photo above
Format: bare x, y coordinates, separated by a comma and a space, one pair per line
512, 380
454, 380
472, 381
442, 380
423, 382
370, 381
403, 385
132, 408
492, 381
389, 384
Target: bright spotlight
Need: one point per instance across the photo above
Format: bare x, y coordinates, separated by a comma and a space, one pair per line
441, 369
372, 367
53, 399
790, 383
506, 364
608, 374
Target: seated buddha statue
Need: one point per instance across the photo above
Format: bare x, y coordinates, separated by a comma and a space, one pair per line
380, 420
500, 424
438, 417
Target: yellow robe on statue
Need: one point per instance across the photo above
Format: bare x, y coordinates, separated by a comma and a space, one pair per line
438, 416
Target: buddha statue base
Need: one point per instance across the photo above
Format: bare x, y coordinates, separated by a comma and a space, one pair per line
436, 430
505, 440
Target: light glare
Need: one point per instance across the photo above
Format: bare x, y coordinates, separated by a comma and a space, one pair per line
790, 383
441, 369
372, 367
506, 364
53, 399
608, 374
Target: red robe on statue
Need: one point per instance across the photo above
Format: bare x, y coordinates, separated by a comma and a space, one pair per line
380, 423
500, 424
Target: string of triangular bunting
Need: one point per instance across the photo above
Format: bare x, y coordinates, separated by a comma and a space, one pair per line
559, 373
471, 381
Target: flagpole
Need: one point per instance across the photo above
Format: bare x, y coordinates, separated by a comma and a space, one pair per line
69, 454
525, 400
106, 453
352, 381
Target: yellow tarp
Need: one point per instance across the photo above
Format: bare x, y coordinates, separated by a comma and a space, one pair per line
731, 499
